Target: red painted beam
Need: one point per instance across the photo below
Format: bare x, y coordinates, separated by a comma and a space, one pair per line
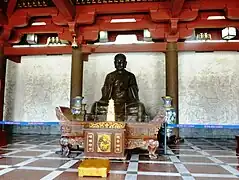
50, 28
208, 46
205, 14
158, 30
145, 7
154, 47
216, 5
20, 18
159, 11
126, 8
16, 59
199, 23
10, 51
3, 18
11, 7
66, 8
177, 6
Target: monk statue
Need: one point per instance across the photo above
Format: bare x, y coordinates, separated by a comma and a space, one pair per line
121, 86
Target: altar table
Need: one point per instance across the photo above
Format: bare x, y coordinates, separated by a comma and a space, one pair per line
108, 140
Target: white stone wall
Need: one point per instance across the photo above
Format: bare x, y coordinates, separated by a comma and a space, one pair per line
11, 99
208, 85
40, 83
209, 88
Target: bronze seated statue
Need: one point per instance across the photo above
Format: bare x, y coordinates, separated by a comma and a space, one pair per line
121, 86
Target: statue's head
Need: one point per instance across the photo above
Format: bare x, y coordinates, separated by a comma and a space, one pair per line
120, 61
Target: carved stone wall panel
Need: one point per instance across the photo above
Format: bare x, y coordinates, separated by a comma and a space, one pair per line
209, 87
10, 100
43, 82
149, 69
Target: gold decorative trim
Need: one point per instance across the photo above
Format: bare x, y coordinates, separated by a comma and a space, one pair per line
82, 2
90, 142
118, 143
104, 142
34, 3
107, 125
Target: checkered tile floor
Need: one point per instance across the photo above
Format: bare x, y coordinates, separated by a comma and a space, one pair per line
33, 157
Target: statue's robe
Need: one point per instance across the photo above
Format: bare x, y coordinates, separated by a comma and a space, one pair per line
121, 87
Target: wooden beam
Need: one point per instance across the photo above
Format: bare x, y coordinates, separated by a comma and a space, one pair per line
201, 23
16, 59
177, 6
128, 8
208, 46
154, 47
66, 8
50, 28
3, 18
11, 7
20, 17
11, 51
102, 23
124, 8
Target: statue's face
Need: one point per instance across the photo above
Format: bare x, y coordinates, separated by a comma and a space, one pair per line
120, 64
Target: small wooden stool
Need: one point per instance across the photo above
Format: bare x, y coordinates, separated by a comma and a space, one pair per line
94, 167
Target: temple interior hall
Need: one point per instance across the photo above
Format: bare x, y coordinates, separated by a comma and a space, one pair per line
119, 89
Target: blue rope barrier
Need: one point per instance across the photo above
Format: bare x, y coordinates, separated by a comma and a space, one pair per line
28, 123
205, 126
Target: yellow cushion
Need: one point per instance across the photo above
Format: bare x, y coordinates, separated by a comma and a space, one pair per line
94, 167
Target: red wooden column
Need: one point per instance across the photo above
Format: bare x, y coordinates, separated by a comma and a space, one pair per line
172, 76
76, 72
2, 78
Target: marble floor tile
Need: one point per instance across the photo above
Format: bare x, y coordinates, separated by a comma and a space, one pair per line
156, 167
38, 157
24, 174
211, 169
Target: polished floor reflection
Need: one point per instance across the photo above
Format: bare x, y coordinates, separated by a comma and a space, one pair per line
34, 157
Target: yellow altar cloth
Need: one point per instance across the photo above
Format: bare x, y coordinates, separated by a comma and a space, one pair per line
94, 167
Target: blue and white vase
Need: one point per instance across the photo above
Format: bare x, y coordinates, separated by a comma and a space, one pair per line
167, 101
170, 113
76, 105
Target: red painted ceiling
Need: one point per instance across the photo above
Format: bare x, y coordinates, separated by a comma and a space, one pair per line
167, 20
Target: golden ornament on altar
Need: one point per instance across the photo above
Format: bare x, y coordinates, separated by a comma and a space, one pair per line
107, 125
104, 142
